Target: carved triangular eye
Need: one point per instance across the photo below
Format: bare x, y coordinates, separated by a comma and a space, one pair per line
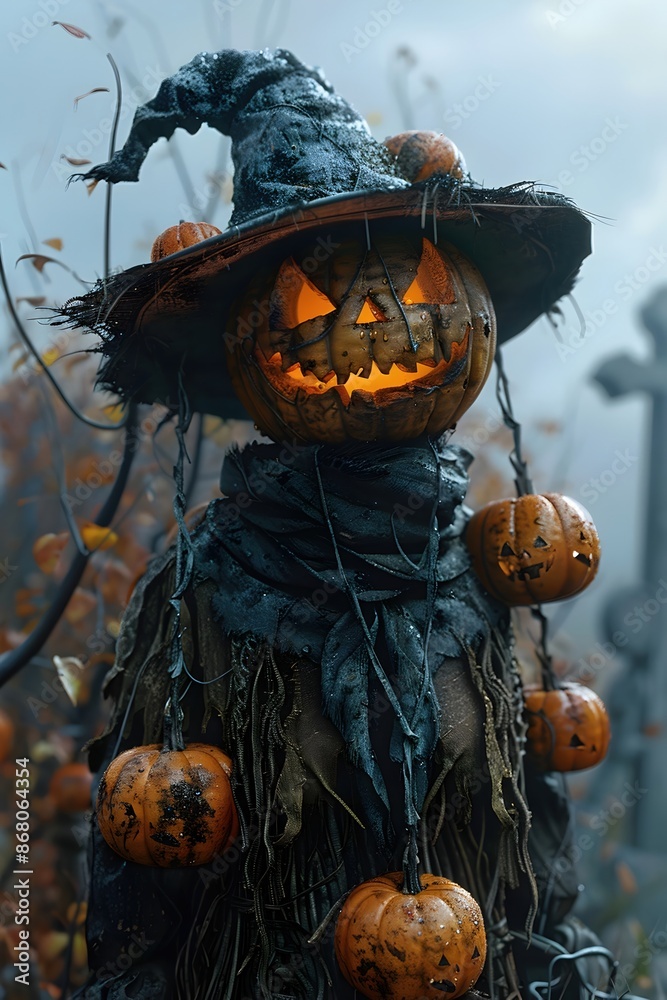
432, 283
507, 550
295, 299
370, 313
539, 543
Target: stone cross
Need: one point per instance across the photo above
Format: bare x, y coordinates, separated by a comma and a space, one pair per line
640, 614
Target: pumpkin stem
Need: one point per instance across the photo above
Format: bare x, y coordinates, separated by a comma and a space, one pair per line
411, 883
173, 721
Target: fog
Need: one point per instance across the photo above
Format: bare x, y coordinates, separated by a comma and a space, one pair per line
569, 93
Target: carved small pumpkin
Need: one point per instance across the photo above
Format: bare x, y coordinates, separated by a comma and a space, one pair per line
421, 154
6, 734
168, 808
568, 728
534, 548
403, 947
70, 787
385, 343
185, 234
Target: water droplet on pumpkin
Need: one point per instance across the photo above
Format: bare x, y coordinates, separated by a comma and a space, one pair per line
422, 315
385, 337
361, 334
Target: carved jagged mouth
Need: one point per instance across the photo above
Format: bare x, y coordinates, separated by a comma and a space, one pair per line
530, 572
427, 374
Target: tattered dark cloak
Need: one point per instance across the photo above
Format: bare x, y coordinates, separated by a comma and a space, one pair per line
333, 602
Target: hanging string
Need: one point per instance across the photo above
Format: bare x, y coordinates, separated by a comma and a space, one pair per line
522, 481
411, 882
184, 549
524, 486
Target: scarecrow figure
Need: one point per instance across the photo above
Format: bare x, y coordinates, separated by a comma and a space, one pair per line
323, 633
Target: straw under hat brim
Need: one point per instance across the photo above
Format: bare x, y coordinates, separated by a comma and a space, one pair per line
164, 322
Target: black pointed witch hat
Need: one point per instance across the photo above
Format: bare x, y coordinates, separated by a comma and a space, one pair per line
308, 174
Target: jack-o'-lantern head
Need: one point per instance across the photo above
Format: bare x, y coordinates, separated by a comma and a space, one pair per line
380, 343
335, 294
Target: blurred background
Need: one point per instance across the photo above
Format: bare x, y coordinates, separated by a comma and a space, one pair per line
568, 93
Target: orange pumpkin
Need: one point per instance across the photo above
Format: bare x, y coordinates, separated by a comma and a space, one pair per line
533, 549
403, 947
6, 734
568, 727
372, 344
421, 154
70, 787
185, 234
168, 808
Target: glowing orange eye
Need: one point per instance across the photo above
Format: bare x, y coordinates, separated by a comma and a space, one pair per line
370, 313
295, 299
432, 282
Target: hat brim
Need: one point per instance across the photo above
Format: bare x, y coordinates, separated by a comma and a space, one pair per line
164, 322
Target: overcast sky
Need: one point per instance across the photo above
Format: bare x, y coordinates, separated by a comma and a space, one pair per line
570, 94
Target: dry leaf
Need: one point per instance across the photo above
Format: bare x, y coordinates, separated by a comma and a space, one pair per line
74, 161
90, 187
82, 602
95, 90
115, 412
25, 608
70, 671
652, 729
113, 627
96, 538
32, 300
42, 750
72, 29
77, 912
20, 361
54, 242
50, 355
39, 260
47, 550
626, 878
